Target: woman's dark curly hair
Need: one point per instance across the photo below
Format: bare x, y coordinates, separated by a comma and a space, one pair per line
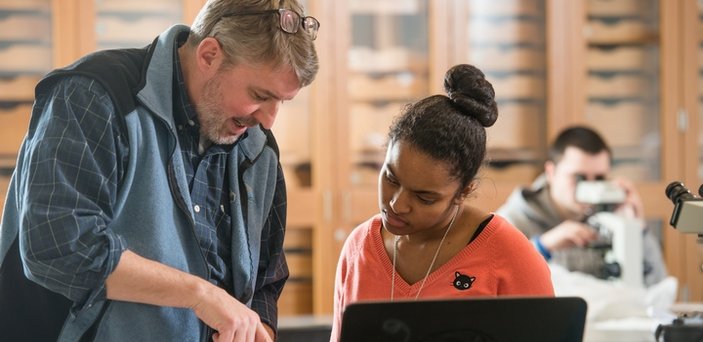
452, 128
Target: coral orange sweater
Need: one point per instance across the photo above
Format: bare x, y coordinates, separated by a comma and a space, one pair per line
499, 261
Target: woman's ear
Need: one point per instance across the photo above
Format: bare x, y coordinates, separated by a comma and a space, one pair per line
466, 191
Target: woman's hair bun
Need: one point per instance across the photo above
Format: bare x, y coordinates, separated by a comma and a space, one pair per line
468, 89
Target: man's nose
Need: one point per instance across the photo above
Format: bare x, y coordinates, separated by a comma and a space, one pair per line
266, 115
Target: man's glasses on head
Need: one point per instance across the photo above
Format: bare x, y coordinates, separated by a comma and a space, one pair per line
290, 21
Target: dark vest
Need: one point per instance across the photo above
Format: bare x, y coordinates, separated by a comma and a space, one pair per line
29, 311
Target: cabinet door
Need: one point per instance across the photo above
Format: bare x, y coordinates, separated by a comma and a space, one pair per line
382, 64
25, 55
294, 136
617, 66
690, 122
622, 85
507, 40
133, 23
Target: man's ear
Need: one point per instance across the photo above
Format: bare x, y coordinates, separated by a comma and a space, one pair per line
209, 55
549, 167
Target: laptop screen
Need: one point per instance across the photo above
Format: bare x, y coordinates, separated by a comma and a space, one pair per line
494, 319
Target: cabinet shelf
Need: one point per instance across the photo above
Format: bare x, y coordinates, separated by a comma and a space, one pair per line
384, 7
529, 8
25, 28
25, 58
624, 31
138, 7
18, 89
24, 5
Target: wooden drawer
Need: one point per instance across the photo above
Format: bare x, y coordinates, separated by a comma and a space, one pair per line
112, 29
518, 86
298, 239
621, 31
31, 5
296, 299
620, 59
392, 59
393, 7
619, 86
4, 185
13, 128
299, 264
25, 58
507, 59
163, 7
369, 125
505, 31
521, 173
364, 176
632, 171
24, 27
518, 126
618, 8
19, 88
622, 124
510, 8
404, 86
302, 205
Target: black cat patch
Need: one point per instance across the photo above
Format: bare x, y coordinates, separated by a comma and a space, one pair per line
462, 282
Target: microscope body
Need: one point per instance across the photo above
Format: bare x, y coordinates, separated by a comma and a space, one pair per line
620, 238
621, 241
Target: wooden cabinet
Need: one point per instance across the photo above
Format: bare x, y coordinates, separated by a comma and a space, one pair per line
630, 68
39, 35
25, 55
689, 120
614, 65
618, 68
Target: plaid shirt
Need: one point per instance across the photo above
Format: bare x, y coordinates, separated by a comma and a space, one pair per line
208, 185
76, 167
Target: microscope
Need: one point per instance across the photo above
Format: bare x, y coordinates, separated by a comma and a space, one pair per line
687, 218
619, 237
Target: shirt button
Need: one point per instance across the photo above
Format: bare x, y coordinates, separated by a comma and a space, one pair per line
196, 208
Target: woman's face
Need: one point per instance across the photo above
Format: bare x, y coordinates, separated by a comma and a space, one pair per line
416, 192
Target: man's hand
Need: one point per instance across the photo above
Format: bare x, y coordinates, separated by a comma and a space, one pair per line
568, 234
232, 320
632, 207
140, 280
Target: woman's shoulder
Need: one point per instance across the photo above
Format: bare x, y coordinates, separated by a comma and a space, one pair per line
500, 231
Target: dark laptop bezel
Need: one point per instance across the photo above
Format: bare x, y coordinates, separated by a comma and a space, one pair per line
500, 319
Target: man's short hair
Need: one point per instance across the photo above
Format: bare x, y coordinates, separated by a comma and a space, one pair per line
581, 137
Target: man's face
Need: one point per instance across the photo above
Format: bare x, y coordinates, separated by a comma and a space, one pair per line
241, 96
575, 165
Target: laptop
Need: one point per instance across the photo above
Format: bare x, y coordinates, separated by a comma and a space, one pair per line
484, 319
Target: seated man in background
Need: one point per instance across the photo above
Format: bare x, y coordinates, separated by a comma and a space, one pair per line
552, 218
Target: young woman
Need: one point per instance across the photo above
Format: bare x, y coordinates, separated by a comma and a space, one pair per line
426, 242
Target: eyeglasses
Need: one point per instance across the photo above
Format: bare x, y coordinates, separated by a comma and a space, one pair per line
290, 21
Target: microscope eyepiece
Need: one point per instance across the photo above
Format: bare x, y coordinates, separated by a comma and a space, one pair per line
677, 192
